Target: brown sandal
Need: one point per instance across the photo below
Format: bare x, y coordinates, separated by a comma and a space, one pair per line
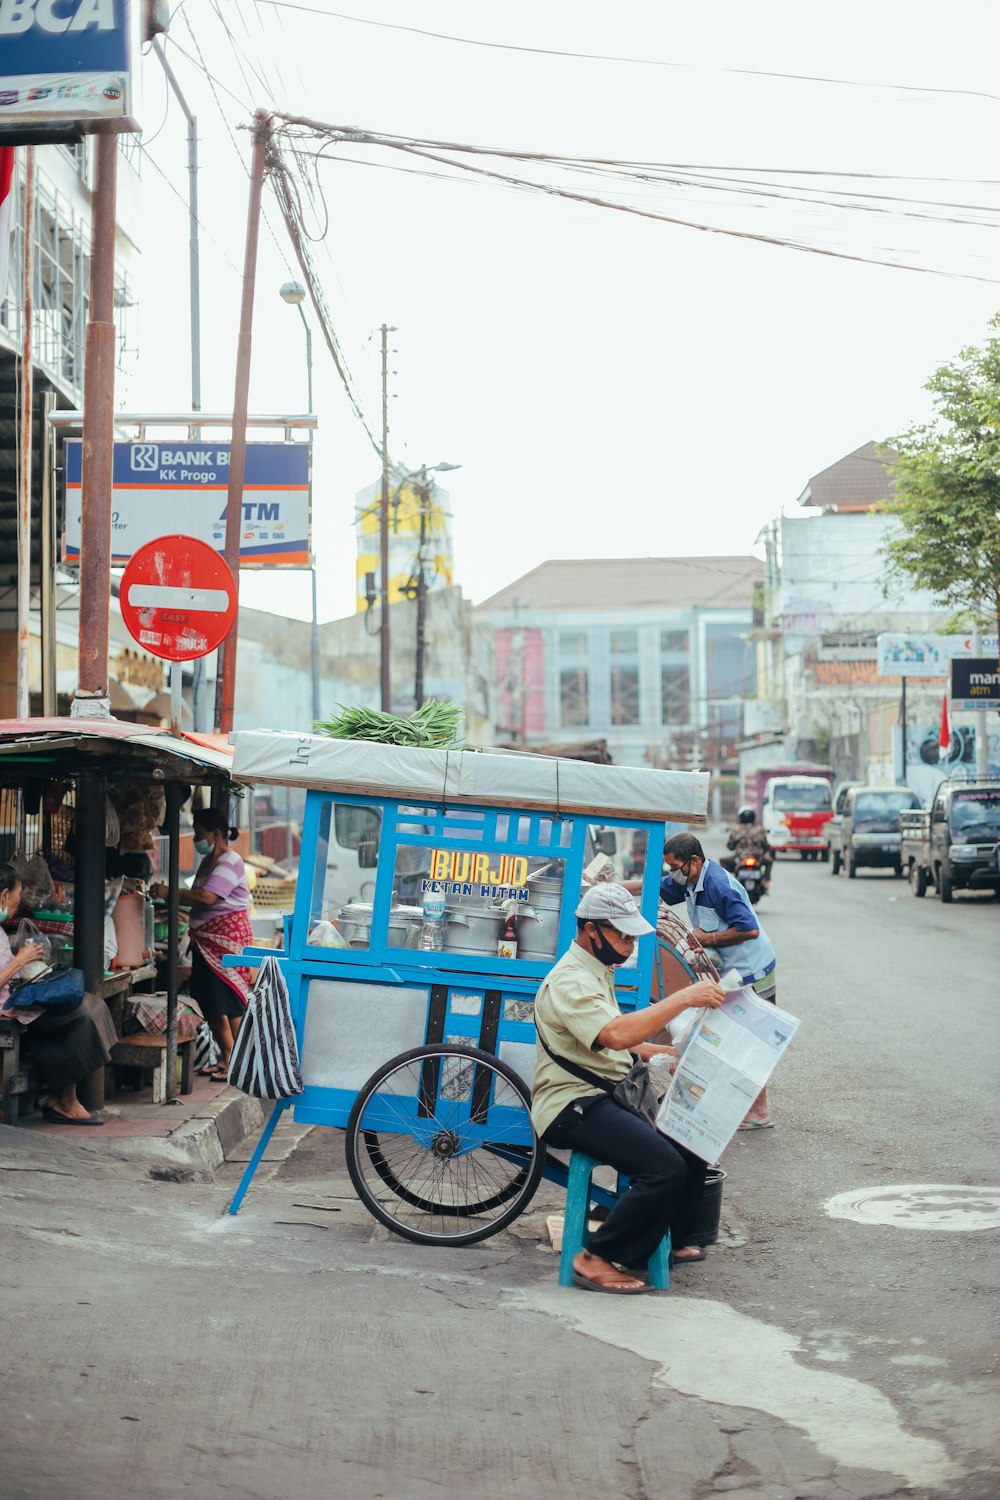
604, 1281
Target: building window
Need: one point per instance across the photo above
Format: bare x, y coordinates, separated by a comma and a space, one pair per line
624, 652
574, 707
675, 684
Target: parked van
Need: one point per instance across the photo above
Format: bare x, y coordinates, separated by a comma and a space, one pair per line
869, 828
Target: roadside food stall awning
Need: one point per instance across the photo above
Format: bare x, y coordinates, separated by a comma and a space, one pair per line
483, 777
112, 747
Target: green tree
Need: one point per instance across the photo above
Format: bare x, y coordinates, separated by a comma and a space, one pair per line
948, 490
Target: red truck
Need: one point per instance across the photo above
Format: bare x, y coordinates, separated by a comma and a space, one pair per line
794, 804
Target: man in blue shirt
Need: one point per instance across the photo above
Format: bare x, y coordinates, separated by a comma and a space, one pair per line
726, 925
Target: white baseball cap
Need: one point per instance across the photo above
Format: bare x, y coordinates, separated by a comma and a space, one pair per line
608, 902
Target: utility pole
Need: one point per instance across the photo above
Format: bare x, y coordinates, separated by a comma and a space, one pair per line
314, 665
27, 433
383, 535
48, 571
226, 694
982, 734
423, 489
194, 297
193, 252
91, 700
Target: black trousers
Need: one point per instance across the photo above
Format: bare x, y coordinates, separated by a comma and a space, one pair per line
665, 1180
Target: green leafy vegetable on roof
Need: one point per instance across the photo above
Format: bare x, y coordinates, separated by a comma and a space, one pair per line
436, 725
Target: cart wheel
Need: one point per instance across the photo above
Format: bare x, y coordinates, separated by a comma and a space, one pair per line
440, 1145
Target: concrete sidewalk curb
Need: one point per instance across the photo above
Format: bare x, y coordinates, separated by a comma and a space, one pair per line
192, 1153
196, 1149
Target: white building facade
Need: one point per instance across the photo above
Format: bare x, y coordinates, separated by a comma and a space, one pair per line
649, 655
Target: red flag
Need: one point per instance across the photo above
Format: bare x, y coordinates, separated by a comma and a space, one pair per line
944, 734
6, 212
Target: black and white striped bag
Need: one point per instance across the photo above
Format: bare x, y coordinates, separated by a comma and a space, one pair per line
265, 1060
206, 1048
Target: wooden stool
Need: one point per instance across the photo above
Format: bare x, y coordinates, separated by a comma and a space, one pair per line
18, 1080
581, 1169
150, 1051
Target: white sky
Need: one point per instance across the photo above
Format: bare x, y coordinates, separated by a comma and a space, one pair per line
610, 385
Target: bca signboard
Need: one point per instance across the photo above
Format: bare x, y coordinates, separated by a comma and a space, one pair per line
186, 484
65, 61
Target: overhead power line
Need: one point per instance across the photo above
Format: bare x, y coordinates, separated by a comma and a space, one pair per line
456, 155
291, 209
638, 62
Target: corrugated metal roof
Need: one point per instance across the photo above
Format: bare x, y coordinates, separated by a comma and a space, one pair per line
611, 583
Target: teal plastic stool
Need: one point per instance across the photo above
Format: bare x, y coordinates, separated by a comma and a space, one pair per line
581, 1169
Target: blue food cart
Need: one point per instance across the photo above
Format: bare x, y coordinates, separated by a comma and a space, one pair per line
435, 891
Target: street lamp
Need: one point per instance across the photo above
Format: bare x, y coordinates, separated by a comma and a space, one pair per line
420, 585
294, 293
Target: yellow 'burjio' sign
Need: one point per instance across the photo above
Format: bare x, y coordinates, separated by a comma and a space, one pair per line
478, 869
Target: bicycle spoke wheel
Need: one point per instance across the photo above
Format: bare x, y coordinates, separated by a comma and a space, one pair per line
440, 1145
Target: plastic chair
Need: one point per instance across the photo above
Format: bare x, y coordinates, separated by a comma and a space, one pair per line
581, 1169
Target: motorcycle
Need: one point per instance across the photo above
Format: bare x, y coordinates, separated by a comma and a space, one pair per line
750, 874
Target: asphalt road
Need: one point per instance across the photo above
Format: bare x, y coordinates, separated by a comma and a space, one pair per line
153, 1345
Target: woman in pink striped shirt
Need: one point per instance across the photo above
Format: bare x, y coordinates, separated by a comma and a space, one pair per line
219, 899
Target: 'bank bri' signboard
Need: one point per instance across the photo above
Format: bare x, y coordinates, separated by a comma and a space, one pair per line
183, 486
65, 61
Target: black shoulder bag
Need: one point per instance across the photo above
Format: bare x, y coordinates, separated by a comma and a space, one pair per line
634, 1092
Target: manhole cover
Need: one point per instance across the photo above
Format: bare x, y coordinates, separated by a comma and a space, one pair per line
924, 1205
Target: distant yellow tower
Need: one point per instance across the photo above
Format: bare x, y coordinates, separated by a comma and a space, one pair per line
409, 498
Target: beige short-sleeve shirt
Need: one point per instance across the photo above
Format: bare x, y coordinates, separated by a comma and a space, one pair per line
573, 1006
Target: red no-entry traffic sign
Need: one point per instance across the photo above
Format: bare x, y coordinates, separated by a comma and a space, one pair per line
178, 598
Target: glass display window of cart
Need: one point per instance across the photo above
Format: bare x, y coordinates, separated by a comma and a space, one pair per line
458, 887
343, 838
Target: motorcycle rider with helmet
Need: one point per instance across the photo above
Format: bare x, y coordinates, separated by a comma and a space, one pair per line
748, 837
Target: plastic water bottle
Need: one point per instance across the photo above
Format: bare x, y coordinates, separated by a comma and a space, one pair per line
431, 938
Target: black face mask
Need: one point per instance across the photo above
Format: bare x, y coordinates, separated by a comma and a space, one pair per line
604, 952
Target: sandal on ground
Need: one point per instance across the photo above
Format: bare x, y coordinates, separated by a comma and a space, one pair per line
756, 1125
687, 1255
219, 1075
56, 1117
604, 1281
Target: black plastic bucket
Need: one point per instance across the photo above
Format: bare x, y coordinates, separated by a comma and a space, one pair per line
705, 1229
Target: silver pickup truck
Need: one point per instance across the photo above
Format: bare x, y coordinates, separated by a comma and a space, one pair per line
952, 845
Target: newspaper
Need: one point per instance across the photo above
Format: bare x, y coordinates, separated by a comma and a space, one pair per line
726, 1062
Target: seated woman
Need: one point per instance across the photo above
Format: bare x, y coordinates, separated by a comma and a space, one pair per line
219, 900
65, 1049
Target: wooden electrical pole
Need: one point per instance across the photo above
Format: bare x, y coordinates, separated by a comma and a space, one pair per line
91, 698
27, 415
